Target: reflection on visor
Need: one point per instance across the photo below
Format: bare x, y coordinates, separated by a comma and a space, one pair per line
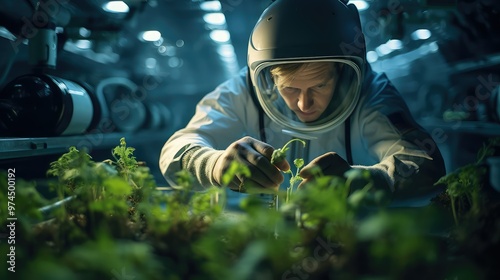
308, 96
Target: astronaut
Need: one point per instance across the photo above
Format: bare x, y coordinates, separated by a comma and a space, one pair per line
307, 77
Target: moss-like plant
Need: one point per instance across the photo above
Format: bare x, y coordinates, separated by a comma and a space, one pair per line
475, 210
464, 185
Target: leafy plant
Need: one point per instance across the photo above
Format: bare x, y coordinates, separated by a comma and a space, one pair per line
280, 155
119, 225
463, 186
475, 211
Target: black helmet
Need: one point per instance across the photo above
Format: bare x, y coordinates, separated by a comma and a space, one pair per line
291, 33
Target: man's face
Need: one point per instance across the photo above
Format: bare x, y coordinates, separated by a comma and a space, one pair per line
308, 93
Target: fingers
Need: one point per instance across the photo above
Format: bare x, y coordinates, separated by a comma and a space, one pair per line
264, 174
283, 165
248, 185
302, 183
256, 156
329, 164
267, 151
320, 163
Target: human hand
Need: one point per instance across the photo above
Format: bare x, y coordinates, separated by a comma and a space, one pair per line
256, 155
328, 164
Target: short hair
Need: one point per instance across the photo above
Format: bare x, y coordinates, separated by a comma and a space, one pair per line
287, 71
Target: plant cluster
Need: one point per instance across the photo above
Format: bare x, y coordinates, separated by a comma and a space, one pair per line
464, 185
117, 224
475, 207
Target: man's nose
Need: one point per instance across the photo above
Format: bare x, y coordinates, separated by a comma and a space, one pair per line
305, 101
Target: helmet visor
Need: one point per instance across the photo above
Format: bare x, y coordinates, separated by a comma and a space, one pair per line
308, 96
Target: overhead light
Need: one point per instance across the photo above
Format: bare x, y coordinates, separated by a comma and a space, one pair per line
150, 62
211, 6
167, 50
170, 50
162, 50
371, 56
221, 36
158, 42
433, 47
394, 44
116, 7
421, 34
425, 49
228, 59
215, 18
83, 44
84, 32
226, 50
150, 36
360, 4
383, 50
179, 43
175, 62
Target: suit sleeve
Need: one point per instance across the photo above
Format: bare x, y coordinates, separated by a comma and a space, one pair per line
219, 119
409, 158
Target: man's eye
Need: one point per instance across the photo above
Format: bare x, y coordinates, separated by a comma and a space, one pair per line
321, 86
289, 90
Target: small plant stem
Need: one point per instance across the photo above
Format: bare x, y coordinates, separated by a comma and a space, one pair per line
292, 140
276, 233
348, 188
453, 210
475, 202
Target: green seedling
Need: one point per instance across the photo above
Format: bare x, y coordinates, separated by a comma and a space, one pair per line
280, 155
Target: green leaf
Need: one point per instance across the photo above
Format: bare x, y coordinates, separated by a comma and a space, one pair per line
235, 169
298, 162
117, 186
